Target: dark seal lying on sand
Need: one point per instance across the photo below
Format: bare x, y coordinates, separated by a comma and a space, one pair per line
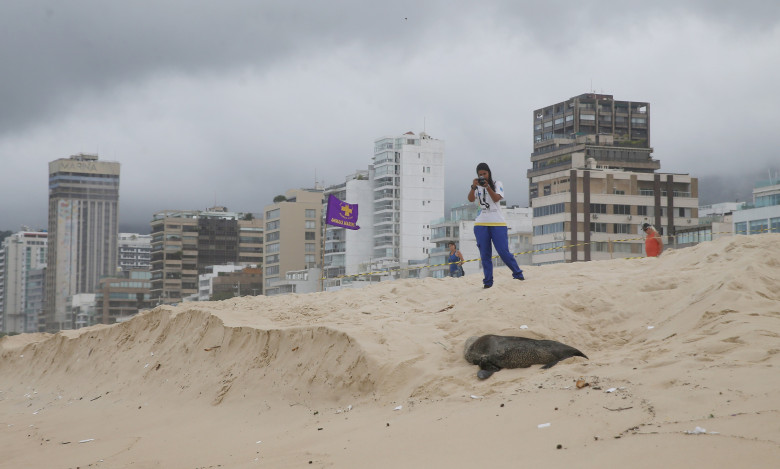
493, 352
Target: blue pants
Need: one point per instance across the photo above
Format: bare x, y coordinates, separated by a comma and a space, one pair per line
498, 236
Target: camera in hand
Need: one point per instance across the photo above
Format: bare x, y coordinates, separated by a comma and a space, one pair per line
481, 180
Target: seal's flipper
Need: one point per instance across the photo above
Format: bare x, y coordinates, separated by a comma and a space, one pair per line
550, 365
485, 374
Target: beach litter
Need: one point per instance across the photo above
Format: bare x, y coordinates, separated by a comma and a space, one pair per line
699, 431
346, 409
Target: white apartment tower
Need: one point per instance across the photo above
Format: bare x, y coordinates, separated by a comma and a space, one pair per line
24, 255
408, 194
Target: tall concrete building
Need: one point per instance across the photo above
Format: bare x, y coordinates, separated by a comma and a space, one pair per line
346, 250
593, 181
22, 267
408, 195
616, 134
293, 229
83, 231
185, 243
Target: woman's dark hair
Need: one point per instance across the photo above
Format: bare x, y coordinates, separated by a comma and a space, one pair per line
485, 167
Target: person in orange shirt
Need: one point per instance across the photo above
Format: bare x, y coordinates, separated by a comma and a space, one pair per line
654, 244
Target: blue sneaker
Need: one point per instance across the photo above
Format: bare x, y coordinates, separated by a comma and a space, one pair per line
519, 276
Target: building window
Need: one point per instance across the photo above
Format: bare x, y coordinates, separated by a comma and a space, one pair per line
272, 225
548, 229
758, 226
272, 248
272, 236
309, 258
273, 259
598, 208
641, 210
310, 247
310, 224
311, 213
621, 209
309, 236
598, 227
622, 228
549, 209
272, 270
271, 214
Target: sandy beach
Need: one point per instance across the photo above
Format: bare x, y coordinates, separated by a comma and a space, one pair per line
683, 371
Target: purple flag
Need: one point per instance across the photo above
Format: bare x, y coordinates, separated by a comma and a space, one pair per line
342, 214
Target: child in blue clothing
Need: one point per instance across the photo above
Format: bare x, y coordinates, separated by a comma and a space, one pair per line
455, 259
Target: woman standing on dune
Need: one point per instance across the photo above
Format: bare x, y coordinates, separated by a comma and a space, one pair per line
490, 224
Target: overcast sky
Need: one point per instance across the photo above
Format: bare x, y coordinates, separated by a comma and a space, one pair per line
235, 102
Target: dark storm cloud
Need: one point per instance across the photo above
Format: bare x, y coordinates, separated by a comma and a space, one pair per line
235, 102
55, 51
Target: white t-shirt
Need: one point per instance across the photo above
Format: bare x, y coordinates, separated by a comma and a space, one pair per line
489, 211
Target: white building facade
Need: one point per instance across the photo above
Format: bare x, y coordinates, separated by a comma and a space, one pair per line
763, 215
24, 255
135, 251
408, 194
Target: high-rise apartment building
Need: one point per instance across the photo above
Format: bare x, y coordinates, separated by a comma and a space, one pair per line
83, 231
593, 181
22, 263
408, 195
346, 250
292, 235
616, 134
135, 251
186, 242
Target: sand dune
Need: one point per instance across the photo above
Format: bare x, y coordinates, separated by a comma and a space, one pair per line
375, 377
